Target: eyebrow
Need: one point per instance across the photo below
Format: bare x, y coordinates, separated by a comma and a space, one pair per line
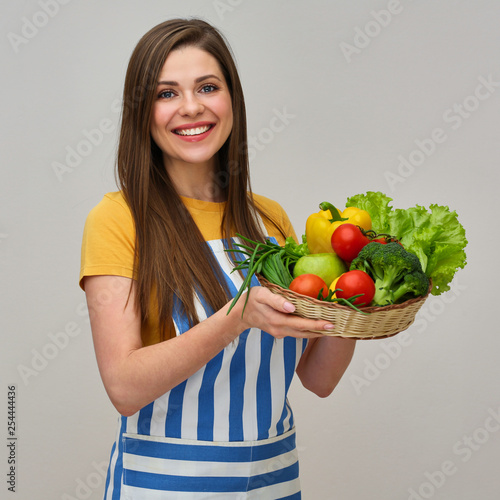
197, 80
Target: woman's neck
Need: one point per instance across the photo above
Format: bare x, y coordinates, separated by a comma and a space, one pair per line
197, 181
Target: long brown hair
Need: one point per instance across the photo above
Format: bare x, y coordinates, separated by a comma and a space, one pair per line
170, 254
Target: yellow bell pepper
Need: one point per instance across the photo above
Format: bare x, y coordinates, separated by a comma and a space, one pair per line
356, 216
319, 229
333, 286
321, 225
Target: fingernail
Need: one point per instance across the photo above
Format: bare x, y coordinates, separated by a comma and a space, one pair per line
289, 307
329, 326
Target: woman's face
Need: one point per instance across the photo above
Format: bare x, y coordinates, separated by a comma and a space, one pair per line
192, 112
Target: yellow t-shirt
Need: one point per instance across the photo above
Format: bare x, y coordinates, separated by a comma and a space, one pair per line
109, 239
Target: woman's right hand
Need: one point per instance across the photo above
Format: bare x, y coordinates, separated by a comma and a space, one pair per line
274, 314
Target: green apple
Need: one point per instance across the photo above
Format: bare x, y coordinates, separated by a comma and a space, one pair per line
326, 265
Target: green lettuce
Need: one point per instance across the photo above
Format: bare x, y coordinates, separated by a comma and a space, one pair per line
434, 235
376, 204
295, 248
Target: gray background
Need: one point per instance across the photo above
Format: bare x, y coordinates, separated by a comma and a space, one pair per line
408, 407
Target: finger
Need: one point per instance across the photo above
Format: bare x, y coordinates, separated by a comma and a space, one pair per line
277, 302
281, 304
296, 326
300, 323
319, 329
288, 324
303, 334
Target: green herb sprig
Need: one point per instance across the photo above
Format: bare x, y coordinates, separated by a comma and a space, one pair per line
269, 259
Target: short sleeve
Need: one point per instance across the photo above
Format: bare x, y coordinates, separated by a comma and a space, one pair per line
108, 239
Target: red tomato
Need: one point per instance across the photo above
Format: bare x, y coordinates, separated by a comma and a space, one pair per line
384, 241
356, 282
310, 285
347, 241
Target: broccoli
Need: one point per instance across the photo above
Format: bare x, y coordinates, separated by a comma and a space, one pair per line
397, 273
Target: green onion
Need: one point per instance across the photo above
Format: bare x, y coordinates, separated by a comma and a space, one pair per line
269, 259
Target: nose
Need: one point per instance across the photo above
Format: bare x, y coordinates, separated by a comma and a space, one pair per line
191, 106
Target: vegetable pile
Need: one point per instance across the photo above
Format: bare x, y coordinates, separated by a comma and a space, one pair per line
369, 254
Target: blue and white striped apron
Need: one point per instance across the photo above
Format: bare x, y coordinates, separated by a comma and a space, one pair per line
226, 432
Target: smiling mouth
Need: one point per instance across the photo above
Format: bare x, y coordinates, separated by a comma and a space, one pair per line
193, 131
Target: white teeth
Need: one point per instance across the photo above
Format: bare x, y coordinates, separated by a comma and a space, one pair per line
193, 131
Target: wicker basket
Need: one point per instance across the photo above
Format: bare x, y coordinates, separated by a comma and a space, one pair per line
379, 323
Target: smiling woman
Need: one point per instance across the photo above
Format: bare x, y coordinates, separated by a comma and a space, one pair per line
192, 119
202, 391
